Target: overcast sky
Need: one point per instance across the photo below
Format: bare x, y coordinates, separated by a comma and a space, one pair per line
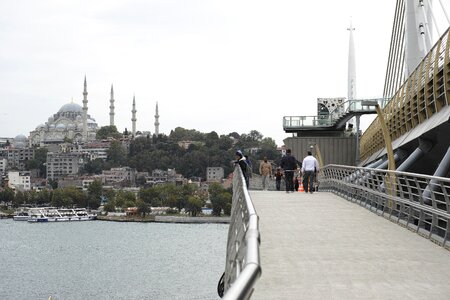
211, 65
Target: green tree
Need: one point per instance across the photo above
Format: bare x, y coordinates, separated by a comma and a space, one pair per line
19, 199
117, 154
38, 162
95, 166
125, 199
142, 207
43, 197
76, 196
7, 195
94, 193
110, 206
194, 205
108, 132
149, 195
61, 199
219, 198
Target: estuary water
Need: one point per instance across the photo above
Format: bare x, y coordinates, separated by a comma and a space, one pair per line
109, 260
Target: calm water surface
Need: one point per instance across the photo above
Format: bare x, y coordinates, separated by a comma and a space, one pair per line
108, 260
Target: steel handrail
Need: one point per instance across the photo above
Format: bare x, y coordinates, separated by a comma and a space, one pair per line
243, 267
349, 106
419, 202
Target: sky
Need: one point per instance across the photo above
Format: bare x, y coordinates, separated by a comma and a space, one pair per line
223, 66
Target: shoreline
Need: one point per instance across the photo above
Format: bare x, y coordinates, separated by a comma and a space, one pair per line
168, 219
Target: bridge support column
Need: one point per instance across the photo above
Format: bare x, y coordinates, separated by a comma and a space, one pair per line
358, 174
441, 171
397, 157
424, 147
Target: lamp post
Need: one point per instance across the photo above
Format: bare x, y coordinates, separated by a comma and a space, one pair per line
389, 151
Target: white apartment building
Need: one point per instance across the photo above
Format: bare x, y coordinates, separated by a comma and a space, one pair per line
214, 173
19, 180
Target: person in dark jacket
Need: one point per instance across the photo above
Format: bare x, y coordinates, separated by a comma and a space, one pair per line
289, 165
278, 175
240, 160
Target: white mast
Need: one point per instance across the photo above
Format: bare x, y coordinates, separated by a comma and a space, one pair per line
351, 89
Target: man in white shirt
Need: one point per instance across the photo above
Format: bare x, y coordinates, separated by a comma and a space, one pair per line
309, 167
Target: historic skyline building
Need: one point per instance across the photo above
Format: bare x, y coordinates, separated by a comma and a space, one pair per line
72, 122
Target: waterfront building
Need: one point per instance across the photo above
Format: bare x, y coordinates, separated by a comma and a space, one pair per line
92, 150
214, 174
17, 157
64, 164
119, 175
162, 177
20, 181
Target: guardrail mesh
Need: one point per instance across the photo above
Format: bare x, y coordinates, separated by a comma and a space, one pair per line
242, 267
418, 202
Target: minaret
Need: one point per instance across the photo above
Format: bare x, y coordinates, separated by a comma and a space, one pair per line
85, 108
156, 120
133, 118
111, 108
351, 89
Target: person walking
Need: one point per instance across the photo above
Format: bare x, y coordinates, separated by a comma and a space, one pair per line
289, 165
309, 167
265, 169
278, 176
240, 160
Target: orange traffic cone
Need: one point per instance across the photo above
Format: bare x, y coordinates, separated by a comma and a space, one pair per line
300, 187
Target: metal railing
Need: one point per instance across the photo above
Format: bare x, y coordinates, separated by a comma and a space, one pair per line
350, 106
242, 268
418, 202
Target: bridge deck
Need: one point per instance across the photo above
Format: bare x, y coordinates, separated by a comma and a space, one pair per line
320, 246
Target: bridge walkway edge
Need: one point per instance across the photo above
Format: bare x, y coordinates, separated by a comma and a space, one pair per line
320, 246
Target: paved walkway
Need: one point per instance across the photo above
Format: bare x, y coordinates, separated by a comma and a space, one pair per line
321, 246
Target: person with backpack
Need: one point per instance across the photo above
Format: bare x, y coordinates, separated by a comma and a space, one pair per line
241, 161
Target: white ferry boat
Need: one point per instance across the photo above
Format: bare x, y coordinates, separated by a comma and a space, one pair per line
51, 214
21, 215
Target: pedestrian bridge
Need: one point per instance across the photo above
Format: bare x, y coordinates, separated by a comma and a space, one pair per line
367, 235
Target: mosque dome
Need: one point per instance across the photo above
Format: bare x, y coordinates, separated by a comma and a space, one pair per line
21, 138
70, 107
60, 127
20, 141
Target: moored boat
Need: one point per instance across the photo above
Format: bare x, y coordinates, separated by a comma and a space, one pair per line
21, 215
51, 214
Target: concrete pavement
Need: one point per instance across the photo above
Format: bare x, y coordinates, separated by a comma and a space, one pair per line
321, 246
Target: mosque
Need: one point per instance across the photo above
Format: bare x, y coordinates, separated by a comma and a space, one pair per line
72, 122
